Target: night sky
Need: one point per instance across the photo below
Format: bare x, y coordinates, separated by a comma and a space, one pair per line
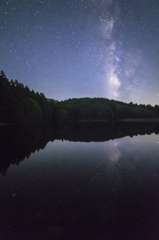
83, 48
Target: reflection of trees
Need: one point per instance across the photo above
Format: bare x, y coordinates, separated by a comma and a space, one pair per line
75, 196
16, 143
102, 131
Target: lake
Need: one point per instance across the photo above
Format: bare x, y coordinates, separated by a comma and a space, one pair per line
83, 181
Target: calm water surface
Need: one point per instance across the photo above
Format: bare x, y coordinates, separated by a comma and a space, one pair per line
72, 190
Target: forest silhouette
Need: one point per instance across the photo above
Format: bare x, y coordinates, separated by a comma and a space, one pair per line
20, 105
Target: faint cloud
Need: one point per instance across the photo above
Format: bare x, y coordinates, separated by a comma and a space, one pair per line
115, 155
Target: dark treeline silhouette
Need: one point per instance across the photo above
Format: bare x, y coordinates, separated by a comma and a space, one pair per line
87, 109
19, 104
18, 142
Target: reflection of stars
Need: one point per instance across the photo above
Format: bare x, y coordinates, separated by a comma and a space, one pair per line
116, 143
115, 154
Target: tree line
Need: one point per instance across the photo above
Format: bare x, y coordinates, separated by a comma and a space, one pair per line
98, 109
19, 104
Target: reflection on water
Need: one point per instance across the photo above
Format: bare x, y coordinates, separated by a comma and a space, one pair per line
107, 188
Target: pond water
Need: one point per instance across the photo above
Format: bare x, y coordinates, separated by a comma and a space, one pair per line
61, 185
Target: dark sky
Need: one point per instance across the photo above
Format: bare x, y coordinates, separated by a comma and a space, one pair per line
83, 48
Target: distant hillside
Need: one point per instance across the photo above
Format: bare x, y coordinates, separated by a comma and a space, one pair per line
52, 100
19, 104
95, 109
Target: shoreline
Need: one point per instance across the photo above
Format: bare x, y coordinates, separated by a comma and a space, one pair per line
147, 120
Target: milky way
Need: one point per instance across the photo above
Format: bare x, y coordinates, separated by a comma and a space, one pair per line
98, 48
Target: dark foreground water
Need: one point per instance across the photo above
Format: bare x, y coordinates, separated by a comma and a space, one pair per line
60, 185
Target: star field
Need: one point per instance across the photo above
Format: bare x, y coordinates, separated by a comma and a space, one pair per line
83, 48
